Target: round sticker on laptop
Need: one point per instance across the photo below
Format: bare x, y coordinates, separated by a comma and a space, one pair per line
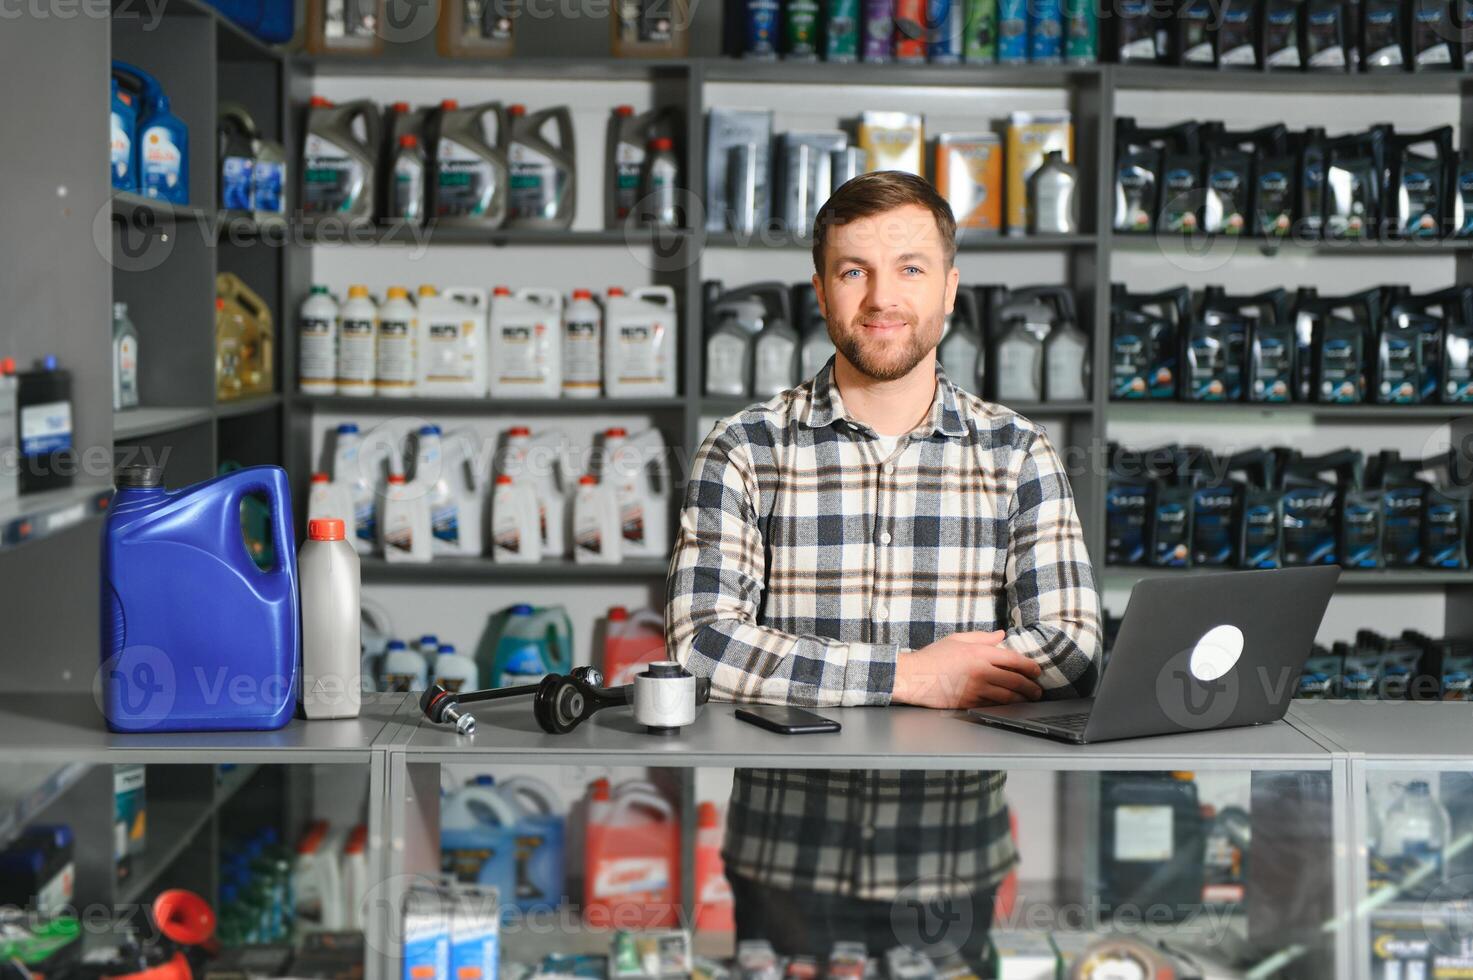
1216, 652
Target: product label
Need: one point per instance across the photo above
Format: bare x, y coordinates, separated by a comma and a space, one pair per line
1361, 526
627, 876
356, 353
1226, 202
395, 360
521, 353
1179, 200
802, 28
1212, 527
128, 370
445, 522
639, 354
1134, 187
268, 181
449, 354
1400, 377
465, 181
538, 184
1018, 371
120, 149
1308, 538
1143, 833
1128, 367
1271, 378
506, 526
1125, 520
842, 31
1064, 362
365, 523
1418, 201
628, 164
582, 369
1260, 536
332, 181
317, 351
1206, 369
45, 428
487, 21
1170, 532
409, 189
235, 182
1274, 209
588, 530
399, 532
161, 172
1340, 372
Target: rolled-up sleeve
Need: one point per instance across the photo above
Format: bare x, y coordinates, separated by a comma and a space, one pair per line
1053, 608
715, 586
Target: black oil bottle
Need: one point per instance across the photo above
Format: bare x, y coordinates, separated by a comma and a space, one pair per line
1309, 513
1360, 522
1259, 528
1171, 520
1401, 341
1128, 500
1171, 313
1215, 502
1419, 193
1309, 196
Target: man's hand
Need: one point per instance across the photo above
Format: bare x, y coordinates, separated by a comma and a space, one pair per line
965, 670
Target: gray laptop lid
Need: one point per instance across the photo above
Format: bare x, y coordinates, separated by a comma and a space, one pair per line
1202, 651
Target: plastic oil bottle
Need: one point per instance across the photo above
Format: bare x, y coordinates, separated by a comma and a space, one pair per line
960, 350
543, 172
406, 523
658, 187
597, 528
125, 359
469, 184
327, 568
356, 469
453, 342
626, 464
640, 347
536, 462
396, 363
407, 181
1066, 373
525, 351
317, 343
122, 126
775, 350
162, 146
515, 536
629, 135
817, 348
1024, 322
357, 343
445, 472
582, 347
338, 179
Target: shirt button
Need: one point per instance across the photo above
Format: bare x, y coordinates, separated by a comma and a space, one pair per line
889, 467
867, 832
884, 537
882, 611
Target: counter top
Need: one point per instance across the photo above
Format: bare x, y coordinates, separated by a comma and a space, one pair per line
892, 738
1391, 731
70, 728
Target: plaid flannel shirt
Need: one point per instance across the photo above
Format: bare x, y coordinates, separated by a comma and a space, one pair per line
805, 565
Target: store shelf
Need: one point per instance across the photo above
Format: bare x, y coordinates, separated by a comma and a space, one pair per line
1168, 411
893, 737
776, 239
485, 570
419, 66
33, 516
27, 789
172, 827
1390, 578
419, 236
137, 423
894, 73
247, 406
1213, 246
1170, 79
484, 406
125, 204
68, 727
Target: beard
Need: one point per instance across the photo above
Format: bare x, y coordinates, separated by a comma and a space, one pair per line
885, 359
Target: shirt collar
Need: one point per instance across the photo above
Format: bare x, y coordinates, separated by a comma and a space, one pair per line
825, 405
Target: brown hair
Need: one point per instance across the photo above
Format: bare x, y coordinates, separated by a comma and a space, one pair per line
875, 193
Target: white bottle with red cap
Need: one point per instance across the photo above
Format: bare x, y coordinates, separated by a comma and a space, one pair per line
538, 461
328, 499
639, 343
406, 522
328, 577
515, 536
583, 329
9, 427
526, 346
635, 467
597, 533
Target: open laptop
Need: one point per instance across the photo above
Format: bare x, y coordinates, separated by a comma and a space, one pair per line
1194, 652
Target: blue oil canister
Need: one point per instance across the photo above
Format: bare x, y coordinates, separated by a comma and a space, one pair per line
196, 637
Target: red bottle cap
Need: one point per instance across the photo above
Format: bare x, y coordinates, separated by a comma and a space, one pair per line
588, 479
662, 143
325, 529
409, 139
519, 430
321, 478
623, 110
583, 294
707, 815
320, 102
616, 431
396, 479
449, 104
7, 366
616, 613
503, 479
401, 106
516, 109
501, 291
601, 789
616, 291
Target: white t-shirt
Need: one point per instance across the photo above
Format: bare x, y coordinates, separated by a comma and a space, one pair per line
887, 444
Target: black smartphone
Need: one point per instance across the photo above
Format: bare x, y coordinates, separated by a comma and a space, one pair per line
786, 720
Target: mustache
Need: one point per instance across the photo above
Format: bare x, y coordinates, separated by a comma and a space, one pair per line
869, 318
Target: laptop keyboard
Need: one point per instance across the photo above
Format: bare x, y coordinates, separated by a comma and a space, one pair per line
1072, 723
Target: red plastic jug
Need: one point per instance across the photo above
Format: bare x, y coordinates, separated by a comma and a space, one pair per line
632, 641
715, 906
632, 873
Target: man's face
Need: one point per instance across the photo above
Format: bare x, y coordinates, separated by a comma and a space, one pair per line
886, 290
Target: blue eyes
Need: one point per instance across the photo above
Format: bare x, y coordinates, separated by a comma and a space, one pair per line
910, 269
